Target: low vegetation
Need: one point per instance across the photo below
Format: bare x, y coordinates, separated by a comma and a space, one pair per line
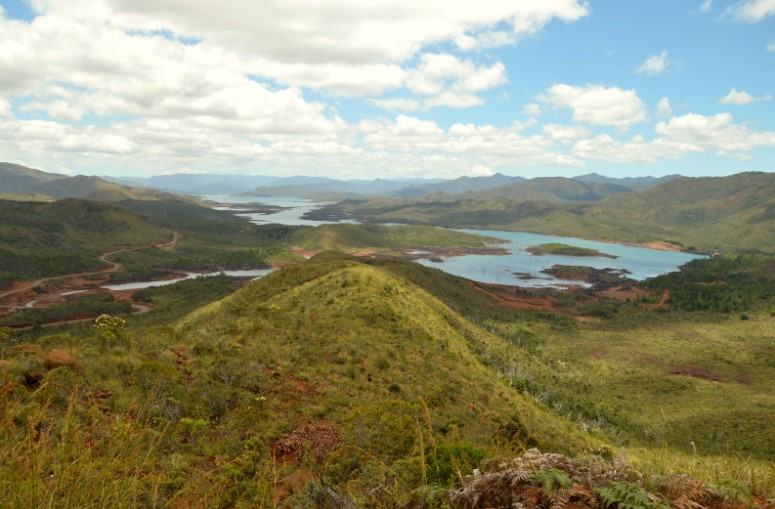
380, 383
341, 382
566, 250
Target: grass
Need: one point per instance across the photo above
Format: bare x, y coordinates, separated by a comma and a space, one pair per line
346, 347
373, 381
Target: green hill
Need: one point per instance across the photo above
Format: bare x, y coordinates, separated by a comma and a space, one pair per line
327, 379
351, 237
552, 190
19, 180
66, 236
735, 213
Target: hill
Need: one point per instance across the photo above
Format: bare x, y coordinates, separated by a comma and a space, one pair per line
633, 183
329, 381
458, 185
552, 190
735, 213
66, 236
19, 180
197, 183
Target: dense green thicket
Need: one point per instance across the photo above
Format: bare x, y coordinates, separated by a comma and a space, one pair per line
63, 237
721, 284
170, 302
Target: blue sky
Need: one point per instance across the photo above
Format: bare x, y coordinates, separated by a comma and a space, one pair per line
399, 88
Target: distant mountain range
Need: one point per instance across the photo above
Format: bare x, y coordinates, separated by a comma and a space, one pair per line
556, 189
20, 182
585, 187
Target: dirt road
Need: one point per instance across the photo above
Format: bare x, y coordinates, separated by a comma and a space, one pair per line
113, 267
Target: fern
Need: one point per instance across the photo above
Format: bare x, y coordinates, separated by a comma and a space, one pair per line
551, 479
626, 495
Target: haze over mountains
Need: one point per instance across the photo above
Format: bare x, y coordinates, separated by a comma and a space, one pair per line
329, 188
20, 180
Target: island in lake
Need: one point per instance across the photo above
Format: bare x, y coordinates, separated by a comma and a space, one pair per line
556, 248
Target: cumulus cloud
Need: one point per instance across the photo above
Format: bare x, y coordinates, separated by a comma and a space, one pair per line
532, 110
5, 108
717, 132
636, 150
396, 104
453, 82
654, 65
664, 109
565, 133
751, 11
594, 104
678, 137
742, 98
335, 31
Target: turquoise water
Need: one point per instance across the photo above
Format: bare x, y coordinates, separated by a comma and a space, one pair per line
641, 262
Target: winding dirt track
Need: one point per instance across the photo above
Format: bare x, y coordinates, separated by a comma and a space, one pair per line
176, 236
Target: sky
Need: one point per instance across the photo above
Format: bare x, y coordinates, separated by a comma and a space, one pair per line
388, 88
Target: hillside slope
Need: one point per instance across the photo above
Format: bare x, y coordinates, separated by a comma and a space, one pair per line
327, 381
735, 213
19, 180
62, 237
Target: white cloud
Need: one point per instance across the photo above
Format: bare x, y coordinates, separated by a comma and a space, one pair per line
678, 137
397, 103
5, 108
598, 105
636, 150
532, 110
342, 31
742, 98
565, 133
452, 82
706, 5
481, 170
664, 109
771, 46
751, 11
717, 132
654, 65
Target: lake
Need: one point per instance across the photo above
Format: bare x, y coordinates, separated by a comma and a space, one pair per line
641, 262
520, 267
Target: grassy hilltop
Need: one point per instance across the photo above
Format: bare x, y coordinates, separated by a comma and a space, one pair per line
327, 375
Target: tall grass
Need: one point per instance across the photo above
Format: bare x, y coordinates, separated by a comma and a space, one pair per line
81, 459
